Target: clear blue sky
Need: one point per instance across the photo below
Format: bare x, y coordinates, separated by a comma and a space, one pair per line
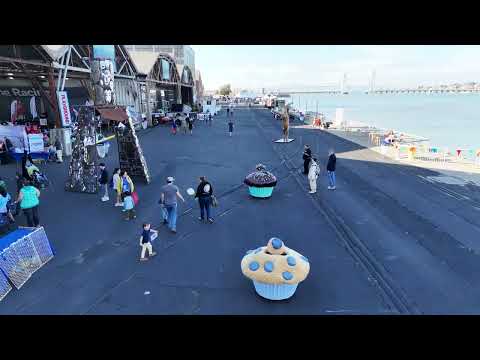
256, 66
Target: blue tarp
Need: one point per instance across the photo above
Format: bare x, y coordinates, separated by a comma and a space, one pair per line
35, 155
10, 238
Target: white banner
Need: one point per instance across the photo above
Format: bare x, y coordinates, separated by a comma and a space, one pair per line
33, 107
64, 108
36, 143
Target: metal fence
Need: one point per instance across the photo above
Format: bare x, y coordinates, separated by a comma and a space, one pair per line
5, 286
25, 256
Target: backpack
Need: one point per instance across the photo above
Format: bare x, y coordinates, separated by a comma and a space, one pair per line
206, 189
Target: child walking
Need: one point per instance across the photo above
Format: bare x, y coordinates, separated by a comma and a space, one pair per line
174, 127
190, 125
148, 235
128, 205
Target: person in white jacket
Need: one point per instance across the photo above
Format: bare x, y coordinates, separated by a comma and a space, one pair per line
313, 173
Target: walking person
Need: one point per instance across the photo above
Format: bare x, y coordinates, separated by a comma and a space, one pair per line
116, 184
28, 198
146, 241
184, 125
210, 119
168, 199
228, 111
313, 173
19, 179
230, 126
174, 127
307, 156
204, 195
129, 205
5, 203
190, 125
3, 184
104, 181
58, 150
331, 165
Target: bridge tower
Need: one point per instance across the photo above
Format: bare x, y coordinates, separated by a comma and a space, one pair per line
343, 86
372, 82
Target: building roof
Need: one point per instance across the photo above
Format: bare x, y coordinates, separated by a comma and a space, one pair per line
55, 51
144, 60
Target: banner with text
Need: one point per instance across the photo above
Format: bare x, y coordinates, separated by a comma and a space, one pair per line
64, 108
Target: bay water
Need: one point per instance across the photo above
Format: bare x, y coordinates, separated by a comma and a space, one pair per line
447, 120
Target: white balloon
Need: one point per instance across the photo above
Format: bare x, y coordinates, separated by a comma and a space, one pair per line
190, 191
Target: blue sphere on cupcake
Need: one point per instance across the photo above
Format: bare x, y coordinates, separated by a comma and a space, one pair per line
275, 270
261, 182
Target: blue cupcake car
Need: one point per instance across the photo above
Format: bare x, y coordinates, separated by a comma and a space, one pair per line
275, 270
261, 182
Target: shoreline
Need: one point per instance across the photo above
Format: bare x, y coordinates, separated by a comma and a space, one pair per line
407, 148
460, 169
404, 115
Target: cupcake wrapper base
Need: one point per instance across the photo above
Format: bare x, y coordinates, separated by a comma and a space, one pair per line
264, 192
275, 291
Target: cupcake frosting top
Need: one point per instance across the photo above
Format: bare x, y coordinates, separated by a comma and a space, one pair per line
261, 177
275, 264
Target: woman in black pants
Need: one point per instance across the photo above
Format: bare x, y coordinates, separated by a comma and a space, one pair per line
28, 199
204, 195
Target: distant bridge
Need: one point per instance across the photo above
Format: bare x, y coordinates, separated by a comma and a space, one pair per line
333, 92
421, 91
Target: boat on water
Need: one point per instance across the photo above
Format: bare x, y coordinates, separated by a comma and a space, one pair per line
283, 95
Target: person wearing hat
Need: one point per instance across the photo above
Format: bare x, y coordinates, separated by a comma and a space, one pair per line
168, 199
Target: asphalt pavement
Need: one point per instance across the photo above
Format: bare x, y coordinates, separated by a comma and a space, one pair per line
387, 241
